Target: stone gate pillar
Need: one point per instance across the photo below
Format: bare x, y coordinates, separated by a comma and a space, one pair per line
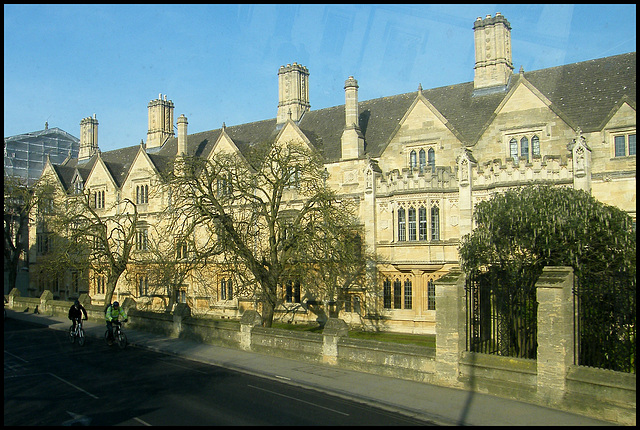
555, 331
333, 330
450, 326
249, 320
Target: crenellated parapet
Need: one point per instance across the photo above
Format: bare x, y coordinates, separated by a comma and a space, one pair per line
408, 180
546, 168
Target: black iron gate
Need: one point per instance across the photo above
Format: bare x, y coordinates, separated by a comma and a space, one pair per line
501, 315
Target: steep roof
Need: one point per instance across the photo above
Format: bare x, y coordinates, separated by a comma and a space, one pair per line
585, 93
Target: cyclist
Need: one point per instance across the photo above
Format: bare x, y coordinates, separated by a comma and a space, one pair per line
111, 315
76, 311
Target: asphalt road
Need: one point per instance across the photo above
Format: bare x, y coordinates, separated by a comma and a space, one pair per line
49, 381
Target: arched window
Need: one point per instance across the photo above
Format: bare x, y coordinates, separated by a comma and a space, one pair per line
229, 289
432, 159
386, 293
408, 297
435, 223
223, 289
422, 223
402, 232
524, 148
513, 149
412, 224
535, 145
296, 292
413, 162
423, 160
397, 294
431, 295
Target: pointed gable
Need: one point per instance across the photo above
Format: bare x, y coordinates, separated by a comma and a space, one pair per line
142, 165
290, 132
100, 174
588, 91
521, 98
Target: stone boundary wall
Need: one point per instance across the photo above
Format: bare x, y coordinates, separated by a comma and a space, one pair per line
552, 380
287, 343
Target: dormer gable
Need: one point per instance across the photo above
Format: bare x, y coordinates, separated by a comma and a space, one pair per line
100, 175
290, 132
142, 165
224, 144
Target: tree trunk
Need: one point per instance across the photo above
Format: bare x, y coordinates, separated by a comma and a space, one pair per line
267, 310
13, 273
112, 281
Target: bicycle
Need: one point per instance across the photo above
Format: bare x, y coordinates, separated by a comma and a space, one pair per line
77, 332
118, 335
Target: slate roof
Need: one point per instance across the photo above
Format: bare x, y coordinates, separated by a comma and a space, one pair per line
585, 94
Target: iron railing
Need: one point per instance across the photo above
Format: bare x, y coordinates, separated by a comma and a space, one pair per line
605, 322
501, 316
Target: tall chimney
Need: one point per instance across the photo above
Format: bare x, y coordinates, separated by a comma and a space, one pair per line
351, 102
182, 135
352, 138
293, 92
88, 138
493, 66
160, 121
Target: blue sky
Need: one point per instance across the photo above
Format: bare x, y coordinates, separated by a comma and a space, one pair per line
219, 63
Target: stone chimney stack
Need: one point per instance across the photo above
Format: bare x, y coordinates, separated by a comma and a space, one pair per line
160, 122
88, 138
493, 52
352, 138
293, 92
182, 135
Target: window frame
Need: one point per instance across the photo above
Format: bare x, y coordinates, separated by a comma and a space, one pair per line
408, 294
626, 144
514, 145
435, 223
431, 295
402, 227
386, 294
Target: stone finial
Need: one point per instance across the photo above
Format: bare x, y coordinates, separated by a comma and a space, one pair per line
420, 87
521, 70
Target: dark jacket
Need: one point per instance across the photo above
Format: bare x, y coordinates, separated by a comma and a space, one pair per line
77, 313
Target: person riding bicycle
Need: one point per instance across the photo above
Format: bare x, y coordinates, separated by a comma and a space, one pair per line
76, 311
111, 315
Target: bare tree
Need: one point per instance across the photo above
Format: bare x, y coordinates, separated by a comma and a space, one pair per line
337, 268
20, 202
168, 263
87, 238
253, 215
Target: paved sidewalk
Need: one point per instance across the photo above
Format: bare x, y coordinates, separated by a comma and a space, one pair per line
446, 406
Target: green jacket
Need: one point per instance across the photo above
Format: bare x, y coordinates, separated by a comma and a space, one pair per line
114, 313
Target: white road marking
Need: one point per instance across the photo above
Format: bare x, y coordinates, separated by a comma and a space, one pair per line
15, 356
303, 401
143, 422
74, 386
283, 377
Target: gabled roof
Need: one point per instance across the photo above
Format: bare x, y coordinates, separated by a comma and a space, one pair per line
587, 92
584, 93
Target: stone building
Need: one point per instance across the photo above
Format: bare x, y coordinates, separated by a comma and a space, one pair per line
416, 162
25, 156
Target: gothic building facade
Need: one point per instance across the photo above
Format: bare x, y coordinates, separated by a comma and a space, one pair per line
417, 163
